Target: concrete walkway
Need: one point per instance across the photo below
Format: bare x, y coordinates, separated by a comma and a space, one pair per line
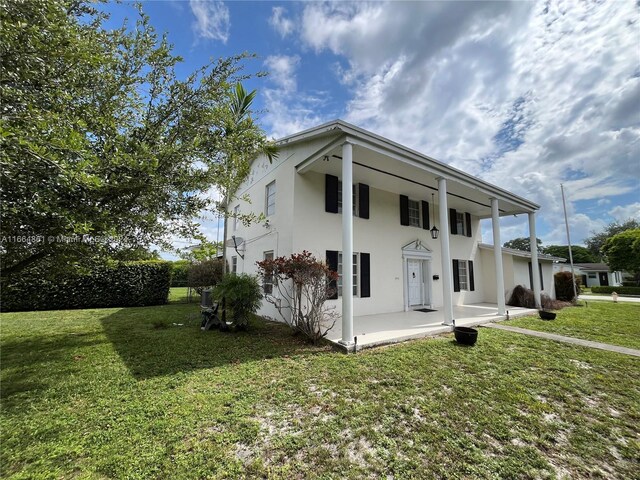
607, 298
562, 338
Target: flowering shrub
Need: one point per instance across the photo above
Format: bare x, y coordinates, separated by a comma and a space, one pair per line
303, 284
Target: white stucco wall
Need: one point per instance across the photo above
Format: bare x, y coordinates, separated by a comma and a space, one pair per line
301, 223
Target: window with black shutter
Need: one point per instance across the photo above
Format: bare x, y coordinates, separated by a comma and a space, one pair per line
332, 263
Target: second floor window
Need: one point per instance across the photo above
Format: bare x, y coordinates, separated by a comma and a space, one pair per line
414, 213
461, 224
236, 212
270, 199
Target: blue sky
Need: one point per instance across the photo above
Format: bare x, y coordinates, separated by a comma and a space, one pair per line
525, 95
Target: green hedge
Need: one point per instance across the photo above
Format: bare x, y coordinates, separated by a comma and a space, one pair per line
179, 273
126, 284
619, 290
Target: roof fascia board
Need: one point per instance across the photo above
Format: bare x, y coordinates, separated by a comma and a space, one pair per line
368, 139
442, 170
522, 253
306, 164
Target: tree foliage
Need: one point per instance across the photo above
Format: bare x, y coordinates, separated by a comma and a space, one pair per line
103, 147
580, 254
597, 239
622, 251
522, 243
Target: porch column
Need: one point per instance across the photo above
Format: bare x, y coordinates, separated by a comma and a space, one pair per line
535, 269
497, 253
347, 245
447, 275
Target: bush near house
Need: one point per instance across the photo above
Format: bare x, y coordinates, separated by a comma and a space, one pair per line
564, 287
242, 296
618, 290
304, 285
125, 284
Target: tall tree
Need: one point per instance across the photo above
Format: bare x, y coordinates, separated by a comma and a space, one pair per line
622, 252
522, 243
597, 239
580, 254
101, 139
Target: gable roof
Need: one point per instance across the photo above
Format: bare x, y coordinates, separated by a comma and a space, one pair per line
338, 127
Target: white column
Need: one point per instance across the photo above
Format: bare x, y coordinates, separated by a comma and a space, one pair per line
447, 275
347, 245
497, 253
535, 269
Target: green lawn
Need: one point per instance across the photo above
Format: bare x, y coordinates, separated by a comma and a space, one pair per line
600, 321
125, 393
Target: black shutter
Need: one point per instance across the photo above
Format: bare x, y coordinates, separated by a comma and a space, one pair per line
467, 218
472, 283
456, 276
363, 200
541, 281
404, 210
453, 221
365, 275
332, 263
530, 276
425, 215
331, 194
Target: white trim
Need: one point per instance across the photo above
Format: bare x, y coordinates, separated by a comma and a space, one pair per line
359, 136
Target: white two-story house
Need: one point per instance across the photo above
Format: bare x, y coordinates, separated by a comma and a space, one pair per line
406, 236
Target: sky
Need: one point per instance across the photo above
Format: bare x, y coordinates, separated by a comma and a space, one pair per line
524, 95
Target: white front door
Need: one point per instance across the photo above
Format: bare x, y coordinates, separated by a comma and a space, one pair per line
414, 280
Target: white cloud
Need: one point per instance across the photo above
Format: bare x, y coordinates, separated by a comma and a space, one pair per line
280, 23
625, 212
524, 95
282, 69
288, 110
212, 19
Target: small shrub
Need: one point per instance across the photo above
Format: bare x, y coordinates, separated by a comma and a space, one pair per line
242, 295
205, 274
524, 297
564, 286
618, 290
304, 284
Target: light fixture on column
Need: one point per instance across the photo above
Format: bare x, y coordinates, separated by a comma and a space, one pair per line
434, 231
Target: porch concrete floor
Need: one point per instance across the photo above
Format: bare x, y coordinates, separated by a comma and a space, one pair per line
386, 328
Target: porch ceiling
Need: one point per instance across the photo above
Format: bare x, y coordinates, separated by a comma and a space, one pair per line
403, 175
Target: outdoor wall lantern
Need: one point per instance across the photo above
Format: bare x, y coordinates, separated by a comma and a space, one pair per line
434, 231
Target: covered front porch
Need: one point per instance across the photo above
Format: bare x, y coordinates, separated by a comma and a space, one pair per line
387, 328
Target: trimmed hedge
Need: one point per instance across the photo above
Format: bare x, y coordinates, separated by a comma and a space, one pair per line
179, 273
619, 290
126, 284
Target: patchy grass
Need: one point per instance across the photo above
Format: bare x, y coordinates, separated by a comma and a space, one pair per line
607, 322
106, 393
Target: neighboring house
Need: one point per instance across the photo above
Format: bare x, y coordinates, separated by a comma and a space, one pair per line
410, 225
594, 274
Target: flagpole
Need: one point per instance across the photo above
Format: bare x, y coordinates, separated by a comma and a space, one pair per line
566, 223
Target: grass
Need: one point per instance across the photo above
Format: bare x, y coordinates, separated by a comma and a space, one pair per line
604, 321
181, 295
108, 394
